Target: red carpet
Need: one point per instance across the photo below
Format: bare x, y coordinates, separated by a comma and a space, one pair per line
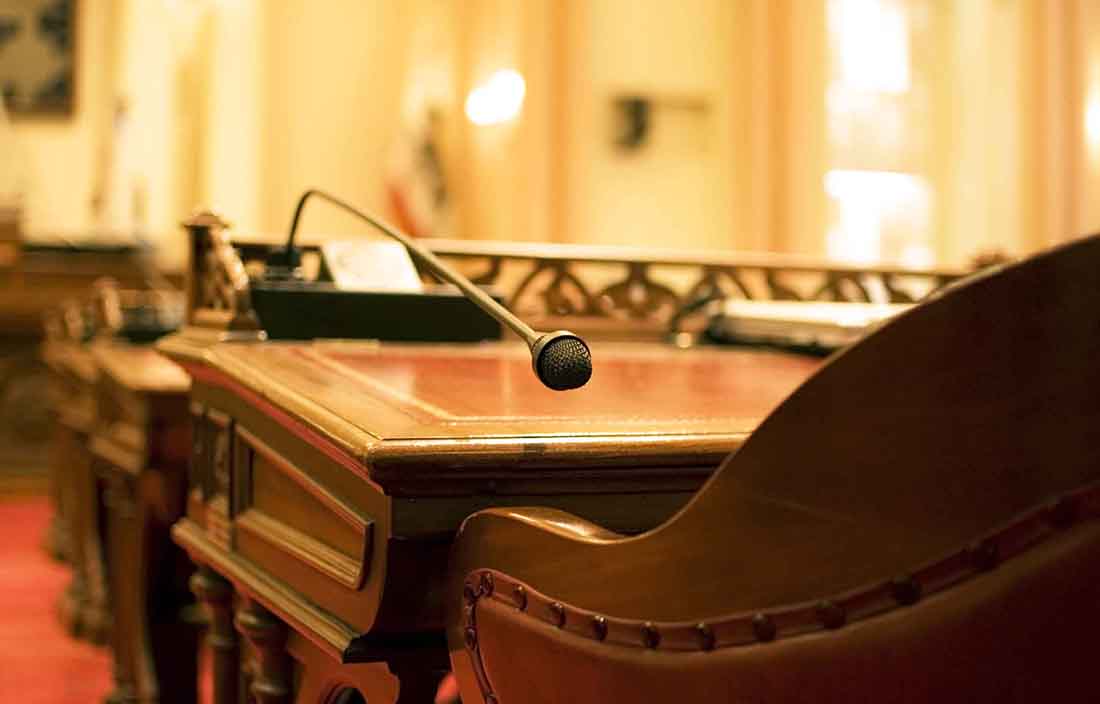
39, 662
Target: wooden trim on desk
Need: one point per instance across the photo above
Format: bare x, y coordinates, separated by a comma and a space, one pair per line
79, 416
414, 462
196, 506
324, 444
120, 457
346, 512
330, 634
304, 549
218, 418
349, 570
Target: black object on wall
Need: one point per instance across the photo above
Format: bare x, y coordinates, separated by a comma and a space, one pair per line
634, 118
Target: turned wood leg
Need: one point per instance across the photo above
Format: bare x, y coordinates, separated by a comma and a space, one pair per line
271, 670
59, 536
125, 543
216, 593
95, 617
155, 647
83, 549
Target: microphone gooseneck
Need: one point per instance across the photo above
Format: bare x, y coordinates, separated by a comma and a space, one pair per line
561, 360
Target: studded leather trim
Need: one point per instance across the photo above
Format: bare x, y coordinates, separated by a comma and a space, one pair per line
751, 628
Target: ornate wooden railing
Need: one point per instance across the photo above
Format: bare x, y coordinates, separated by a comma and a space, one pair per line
600, 281
619, 290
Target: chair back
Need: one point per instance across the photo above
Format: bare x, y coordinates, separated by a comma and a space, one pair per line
915, 523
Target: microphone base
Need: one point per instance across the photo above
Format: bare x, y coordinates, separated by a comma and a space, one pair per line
301, 310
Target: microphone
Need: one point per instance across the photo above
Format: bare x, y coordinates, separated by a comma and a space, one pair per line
561, 359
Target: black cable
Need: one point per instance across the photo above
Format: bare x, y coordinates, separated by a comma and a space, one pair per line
289, 257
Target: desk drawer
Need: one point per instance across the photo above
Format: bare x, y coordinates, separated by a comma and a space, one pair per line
283, 507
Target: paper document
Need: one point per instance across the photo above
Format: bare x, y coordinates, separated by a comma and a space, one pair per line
371, 265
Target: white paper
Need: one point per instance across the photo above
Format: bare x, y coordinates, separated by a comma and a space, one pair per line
371, 265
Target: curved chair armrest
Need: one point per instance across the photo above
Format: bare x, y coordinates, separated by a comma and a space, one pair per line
560, 524
1018, 631
542, 545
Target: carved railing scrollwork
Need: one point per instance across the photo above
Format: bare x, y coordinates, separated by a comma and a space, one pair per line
629, 289
638, 295
655, 286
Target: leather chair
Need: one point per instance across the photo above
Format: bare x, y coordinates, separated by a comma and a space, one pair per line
916, 523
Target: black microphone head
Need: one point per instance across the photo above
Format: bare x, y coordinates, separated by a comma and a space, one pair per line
562, 361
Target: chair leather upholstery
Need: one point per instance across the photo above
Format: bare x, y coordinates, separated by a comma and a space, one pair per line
917, 523
1023, 632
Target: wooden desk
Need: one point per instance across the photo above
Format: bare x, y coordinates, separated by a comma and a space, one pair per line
32, 283
82, 340
329, 478
75, 531
141, 447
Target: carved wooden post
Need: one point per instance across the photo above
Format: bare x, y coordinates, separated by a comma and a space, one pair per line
271, 670
218, 293
125, 543
198, 227
211, 589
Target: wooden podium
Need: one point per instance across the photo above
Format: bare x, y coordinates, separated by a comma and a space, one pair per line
32, 283
140, 448
122, 447
74, 532
329, 479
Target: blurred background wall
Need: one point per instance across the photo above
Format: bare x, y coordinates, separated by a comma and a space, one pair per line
914, 131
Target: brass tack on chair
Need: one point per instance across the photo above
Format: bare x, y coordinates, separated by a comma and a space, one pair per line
983, 556
557, 613
906, 590
650, 636
469, 594
831, 614
763, 628
1062, 513
599, 627
706, 636
519, 596
487, 583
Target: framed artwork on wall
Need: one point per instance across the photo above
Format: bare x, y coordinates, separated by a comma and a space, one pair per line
37, 57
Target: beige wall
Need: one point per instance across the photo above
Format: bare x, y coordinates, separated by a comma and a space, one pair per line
673, 189
333, 75
128, 50
241, 105
59, 156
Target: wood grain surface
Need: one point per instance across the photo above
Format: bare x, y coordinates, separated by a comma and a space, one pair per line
394, 404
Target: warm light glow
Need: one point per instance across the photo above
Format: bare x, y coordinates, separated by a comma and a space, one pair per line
878, 212
871, 39
1092, 121
879, 215
497, 100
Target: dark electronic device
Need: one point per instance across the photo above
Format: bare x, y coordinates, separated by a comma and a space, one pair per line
300, 310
